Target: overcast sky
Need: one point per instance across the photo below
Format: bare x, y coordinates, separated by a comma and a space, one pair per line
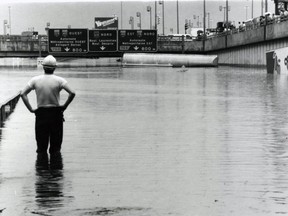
28, 14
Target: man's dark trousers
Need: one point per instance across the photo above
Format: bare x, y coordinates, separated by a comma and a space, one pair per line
49, 127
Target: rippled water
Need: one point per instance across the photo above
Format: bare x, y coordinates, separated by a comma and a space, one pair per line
154, 141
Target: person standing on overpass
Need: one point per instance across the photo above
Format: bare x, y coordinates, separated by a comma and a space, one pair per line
49, 113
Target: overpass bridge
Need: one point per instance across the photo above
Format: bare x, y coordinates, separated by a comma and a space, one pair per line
240, 47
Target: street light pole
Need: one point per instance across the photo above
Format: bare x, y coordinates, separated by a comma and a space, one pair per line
9, 20
262, 6
131, 22
162, 2
224, 12
204, 18
155, 15
163, 20
149, 10
177, 17
227, 11
208, 17
4, 27
252, 15
121, 15
246, 11
138, 14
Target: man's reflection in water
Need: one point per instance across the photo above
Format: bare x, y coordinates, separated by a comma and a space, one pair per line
49, 181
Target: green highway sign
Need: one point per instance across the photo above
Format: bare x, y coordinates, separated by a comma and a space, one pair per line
137, 40
102, 40
67, 40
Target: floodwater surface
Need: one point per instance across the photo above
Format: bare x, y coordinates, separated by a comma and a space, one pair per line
153, 142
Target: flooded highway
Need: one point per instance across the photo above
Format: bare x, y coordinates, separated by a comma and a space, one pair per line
152, 142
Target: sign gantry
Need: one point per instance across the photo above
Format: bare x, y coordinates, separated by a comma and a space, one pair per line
101, 40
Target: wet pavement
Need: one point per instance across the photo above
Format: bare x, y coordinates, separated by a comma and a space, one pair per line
157, 142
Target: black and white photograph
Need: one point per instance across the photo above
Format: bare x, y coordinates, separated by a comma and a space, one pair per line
143, 107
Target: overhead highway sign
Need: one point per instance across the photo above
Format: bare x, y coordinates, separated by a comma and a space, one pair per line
68, 40
137, 40
102, 40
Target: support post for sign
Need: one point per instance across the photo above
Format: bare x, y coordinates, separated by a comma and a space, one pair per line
183, 44
39, 41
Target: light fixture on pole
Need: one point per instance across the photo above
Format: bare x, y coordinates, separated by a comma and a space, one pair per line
131, 22
138, 14
150, 11
47, 27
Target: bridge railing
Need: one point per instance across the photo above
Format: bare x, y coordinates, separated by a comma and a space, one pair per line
249, 25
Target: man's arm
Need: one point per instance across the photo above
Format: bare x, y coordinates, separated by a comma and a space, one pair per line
25, 99
70, 98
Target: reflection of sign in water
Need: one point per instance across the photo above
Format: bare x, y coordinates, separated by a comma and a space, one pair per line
106, 23
137, 40
102, 40
68, 40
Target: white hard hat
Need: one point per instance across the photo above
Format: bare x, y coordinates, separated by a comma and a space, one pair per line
49, 61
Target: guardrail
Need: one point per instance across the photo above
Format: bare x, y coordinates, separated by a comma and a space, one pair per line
7, 108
